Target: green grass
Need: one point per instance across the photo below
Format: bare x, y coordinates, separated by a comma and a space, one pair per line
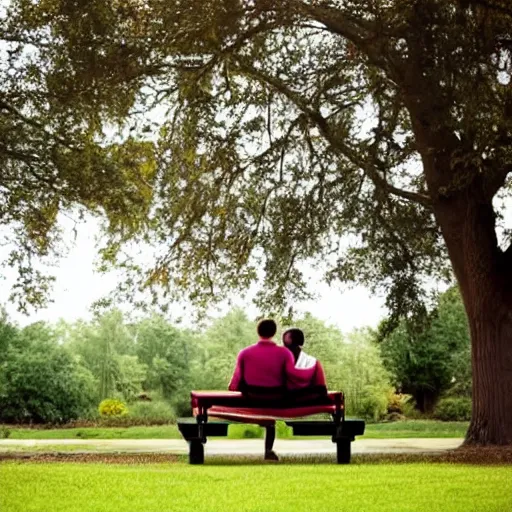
254, 488
400, 429
416, 428
157, 432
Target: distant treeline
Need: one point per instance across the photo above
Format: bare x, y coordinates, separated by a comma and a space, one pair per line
57, 373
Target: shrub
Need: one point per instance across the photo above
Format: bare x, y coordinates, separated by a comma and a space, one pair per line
181, 405
372, 406
241, 431
153, 412
4, 432
40, 382
396, 402
283, 431
111, 407
453, 409
409, 409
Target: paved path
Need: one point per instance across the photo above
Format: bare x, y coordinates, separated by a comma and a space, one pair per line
226, 446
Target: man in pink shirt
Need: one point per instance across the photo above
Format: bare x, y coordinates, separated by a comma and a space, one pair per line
261, 372
263, 367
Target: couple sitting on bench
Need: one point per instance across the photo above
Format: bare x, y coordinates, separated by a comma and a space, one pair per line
266, 371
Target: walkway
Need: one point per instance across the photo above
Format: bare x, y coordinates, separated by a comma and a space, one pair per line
226, 446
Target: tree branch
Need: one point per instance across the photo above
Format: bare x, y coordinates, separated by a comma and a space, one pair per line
38, 126
336, 143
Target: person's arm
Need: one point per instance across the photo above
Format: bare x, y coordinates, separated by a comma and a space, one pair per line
295, 377
319, 378
236, 379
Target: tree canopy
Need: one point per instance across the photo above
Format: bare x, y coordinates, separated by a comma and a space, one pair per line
280, 128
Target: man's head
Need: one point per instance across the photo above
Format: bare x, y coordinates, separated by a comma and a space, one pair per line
267, 328
293, 338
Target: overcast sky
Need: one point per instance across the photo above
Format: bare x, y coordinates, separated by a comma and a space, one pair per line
78, 286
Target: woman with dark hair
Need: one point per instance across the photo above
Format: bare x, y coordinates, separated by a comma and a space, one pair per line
308, 374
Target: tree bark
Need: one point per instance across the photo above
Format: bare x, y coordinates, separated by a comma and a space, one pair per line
425, 400
467, 222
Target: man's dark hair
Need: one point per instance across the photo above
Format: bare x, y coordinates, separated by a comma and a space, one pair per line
296, 335
266, 328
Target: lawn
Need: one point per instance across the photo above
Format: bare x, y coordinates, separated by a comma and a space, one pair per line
395, 430
71, 487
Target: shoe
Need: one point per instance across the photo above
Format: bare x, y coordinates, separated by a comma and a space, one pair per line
271, 455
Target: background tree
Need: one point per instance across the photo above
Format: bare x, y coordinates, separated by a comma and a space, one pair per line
101, 346
431, 356
40, 380
167, 351
220, 344
289, 124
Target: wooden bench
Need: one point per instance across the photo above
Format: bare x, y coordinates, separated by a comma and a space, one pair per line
234, 407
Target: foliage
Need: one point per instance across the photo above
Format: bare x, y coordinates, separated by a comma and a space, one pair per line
53, 160
131, 376
362, 376
112, 407
154, 412
106, 347
453, 409
430, 357
396, 402
41, 381
350, 126
167, 353
5, 432
220, 344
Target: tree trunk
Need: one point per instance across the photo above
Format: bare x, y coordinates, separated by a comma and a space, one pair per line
491, 337
425, 400
462, 204
467, 222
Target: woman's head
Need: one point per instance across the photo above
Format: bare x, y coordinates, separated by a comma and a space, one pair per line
293, 337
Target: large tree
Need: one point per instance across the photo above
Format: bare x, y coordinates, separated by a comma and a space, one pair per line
285, 125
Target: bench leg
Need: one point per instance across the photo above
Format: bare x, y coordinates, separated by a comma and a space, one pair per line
196, 452
343, 450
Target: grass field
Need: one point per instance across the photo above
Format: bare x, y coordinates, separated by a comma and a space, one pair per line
396, 430
71, 487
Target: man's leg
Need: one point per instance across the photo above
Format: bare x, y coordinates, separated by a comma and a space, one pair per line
270, 436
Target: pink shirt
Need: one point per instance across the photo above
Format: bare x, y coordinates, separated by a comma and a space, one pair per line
263, 364
266, 364
301, 378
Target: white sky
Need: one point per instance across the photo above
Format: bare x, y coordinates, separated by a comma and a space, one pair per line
77, 286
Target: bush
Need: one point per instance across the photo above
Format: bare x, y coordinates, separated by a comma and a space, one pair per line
372, 406
453, 409
181, 405
4, 432
111, 407
241, 431
42, 383
396, 402
409, 409
153, 412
